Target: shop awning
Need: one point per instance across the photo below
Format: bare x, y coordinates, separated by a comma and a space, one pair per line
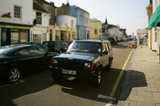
155, 19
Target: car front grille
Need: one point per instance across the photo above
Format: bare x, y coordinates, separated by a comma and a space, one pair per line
70, 65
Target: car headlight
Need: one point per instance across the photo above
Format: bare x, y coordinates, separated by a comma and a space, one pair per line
87, 65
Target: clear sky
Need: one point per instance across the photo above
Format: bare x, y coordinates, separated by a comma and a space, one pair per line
129, 14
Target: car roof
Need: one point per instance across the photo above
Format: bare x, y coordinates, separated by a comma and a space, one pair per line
90, 40
15, 46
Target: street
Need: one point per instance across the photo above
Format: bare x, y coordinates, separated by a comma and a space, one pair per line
39, 89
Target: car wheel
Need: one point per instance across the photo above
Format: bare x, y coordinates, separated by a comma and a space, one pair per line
14, 75
97, 79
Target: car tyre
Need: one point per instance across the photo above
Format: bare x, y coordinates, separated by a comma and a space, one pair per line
14, 75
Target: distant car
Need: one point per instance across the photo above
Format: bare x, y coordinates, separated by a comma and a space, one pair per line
17, 60
85, 58
35, 44
56, 46
113, 40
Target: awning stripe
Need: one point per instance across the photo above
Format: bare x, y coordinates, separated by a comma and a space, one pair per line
155, 19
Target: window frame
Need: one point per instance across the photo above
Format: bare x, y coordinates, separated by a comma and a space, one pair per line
17, 14
38, 17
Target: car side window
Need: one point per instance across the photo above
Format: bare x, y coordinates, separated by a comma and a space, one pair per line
36, 51
23, 52
104, 49
107, 47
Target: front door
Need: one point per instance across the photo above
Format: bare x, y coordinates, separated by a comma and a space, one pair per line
6, 36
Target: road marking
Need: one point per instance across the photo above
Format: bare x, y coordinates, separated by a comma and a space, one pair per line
106, 97
120, 75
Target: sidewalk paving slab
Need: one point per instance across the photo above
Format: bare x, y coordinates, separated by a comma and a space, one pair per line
141, 86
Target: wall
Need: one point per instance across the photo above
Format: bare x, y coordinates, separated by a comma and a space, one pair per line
45, 18
155, 32
65, 19
98, 26
26, 7
41, 29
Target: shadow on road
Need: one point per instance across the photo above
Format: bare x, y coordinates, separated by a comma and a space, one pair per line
31, 84
84, 88
133, 79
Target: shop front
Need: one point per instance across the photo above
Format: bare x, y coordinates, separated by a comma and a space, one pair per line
10, 34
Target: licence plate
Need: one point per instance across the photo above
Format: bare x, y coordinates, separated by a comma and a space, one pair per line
69, 72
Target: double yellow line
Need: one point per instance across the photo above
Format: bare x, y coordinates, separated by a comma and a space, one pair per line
120, 75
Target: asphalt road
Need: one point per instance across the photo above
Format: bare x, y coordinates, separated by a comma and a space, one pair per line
40, 89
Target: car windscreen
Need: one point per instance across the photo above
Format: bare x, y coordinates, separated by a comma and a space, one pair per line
90, 47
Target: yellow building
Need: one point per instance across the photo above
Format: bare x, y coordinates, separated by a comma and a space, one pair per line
96, 27
62, 32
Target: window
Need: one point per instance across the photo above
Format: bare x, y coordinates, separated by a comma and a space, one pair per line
39, 17
4, 35
22, 52
17, 12
95, 31
91, 47
36, 38
72, 23
36, 51
23, 35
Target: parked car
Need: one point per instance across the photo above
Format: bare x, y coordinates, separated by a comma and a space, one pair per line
83, 58
56, 46
20, 59
113, 40
35, 44
69, 42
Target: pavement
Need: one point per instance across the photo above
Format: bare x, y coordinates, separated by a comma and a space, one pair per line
141, 86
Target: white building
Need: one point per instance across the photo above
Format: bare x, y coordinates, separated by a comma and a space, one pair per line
155, 30
40, 31
113, 31
15, 21
70, 21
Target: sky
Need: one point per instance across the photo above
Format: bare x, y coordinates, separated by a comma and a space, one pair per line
128, 14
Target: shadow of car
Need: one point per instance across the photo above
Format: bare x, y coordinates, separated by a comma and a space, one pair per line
21, 59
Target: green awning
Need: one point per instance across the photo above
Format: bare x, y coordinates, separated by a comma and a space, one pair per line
155, 19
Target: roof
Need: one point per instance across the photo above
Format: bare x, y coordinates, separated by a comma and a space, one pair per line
94, 19
111, 26
74, 6
37, 7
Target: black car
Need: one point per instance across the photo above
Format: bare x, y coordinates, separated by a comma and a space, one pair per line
35, 44
56, 46
83, 58
19, 59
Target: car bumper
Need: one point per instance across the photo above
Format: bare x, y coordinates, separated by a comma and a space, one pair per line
79, 73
